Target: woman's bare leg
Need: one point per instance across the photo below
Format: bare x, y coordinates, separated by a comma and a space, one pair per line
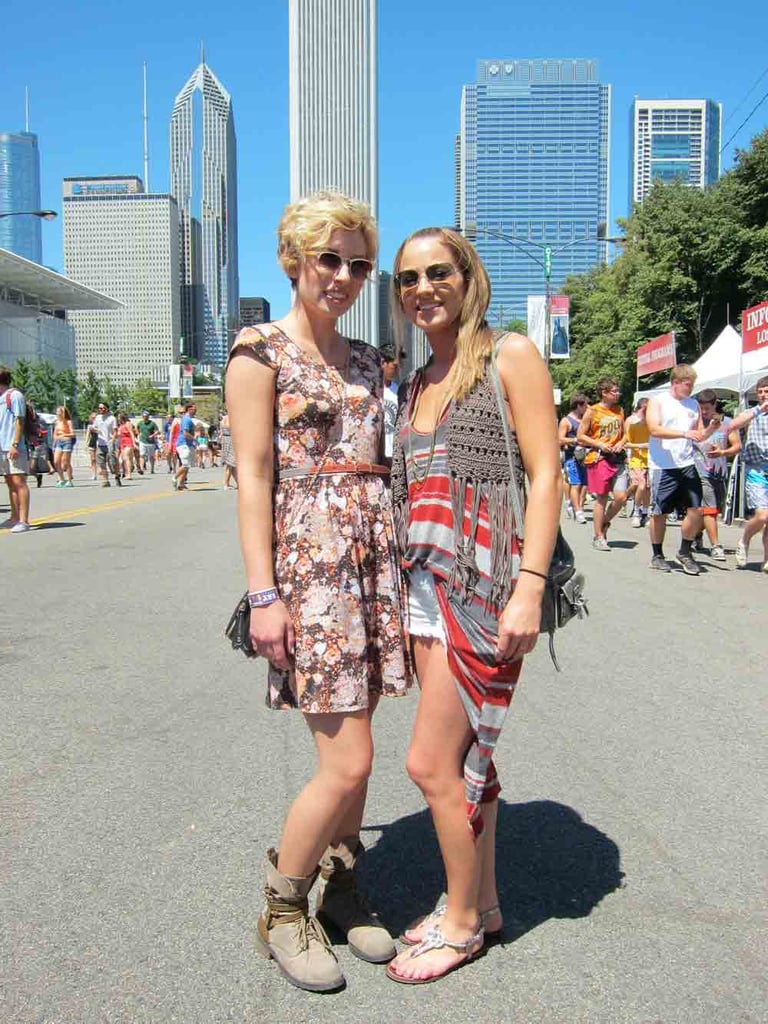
441, 737
345, 753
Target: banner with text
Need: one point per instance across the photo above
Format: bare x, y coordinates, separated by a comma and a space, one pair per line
656, 355
560, 318
537, 320
754, 328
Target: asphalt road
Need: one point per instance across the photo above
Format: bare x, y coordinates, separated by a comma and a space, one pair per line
143, 779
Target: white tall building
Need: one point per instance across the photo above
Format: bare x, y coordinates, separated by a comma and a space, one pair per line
332, 54
123, 242
204, 184
674, 140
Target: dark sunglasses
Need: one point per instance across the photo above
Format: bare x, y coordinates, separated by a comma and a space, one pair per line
436, 273
359, 269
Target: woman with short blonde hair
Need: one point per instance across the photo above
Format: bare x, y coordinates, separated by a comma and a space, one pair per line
305, 411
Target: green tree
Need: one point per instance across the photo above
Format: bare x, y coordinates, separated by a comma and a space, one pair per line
88, 396
516, 326
117, 396
22, 373
43, 387
145, 396
66, 382
691, 261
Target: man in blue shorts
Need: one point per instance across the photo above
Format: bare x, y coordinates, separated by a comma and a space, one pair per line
575, 470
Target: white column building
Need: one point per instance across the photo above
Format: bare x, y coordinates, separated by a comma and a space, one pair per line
123, 242
332, 53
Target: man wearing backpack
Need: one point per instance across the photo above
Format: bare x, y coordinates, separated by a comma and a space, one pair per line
14, 460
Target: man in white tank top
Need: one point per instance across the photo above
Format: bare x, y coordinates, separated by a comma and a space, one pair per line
675, 423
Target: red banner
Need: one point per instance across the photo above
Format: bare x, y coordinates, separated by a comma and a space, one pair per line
754, 328
659, 354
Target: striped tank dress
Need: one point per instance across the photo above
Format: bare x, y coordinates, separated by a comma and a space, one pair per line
485, 686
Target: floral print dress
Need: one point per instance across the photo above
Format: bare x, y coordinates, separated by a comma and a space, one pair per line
334, 550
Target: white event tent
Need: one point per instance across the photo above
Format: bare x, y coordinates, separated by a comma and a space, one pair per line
718, 368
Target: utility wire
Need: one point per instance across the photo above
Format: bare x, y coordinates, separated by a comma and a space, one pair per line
745, 97
749, 115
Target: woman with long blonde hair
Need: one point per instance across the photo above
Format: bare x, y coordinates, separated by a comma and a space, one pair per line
474, 592
63, 446
305, 409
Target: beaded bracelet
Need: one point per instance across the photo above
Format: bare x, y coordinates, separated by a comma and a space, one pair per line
262, 598
533, 572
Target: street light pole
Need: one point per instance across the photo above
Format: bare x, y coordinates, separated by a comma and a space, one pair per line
545, 263
42, 214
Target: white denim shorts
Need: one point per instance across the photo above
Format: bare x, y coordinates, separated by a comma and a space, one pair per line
423, 609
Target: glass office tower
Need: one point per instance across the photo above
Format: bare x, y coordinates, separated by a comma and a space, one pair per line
674, 140
533, 164
204, 184
19, 192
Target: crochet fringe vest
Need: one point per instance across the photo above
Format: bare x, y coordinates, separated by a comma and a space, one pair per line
477, 455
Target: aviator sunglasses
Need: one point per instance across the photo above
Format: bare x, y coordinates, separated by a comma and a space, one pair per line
359, 269
435, 273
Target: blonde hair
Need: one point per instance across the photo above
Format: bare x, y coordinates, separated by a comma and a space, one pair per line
308, 224
474, 341
63, 413
683, 371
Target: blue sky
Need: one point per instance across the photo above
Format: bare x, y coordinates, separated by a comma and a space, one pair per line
83, 64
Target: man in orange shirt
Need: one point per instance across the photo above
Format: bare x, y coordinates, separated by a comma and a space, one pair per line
602, 431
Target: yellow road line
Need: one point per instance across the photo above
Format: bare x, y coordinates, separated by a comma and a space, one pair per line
104, 507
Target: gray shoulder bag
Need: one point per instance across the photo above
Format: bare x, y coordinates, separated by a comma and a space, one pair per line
563, 597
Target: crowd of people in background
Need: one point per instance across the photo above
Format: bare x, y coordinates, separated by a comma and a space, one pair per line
669, 458
35, 445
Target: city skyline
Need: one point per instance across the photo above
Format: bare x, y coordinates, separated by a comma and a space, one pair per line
333, 116
88, 113
674, 139
203, 181
124, 242
533, 166
20, 190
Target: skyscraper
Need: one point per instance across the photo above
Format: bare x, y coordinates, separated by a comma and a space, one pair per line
20, 192
204, 184
533, 165
124, 242
332, 56
674, 139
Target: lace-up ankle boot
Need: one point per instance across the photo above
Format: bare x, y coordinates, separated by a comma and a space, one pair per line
342, 906
295, 940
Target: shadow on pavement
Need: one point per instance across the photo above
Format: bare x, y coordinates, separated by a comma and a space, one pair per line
550, 863
54, 526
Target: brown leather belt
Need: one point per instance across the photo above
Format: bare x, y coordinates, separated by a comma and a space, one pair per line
332, 468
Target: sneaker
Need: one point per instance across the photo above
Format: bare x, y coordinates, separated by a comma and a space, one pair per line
59, 483
106, 483
687, 564
569, 511
717, 553
698, 545
20, 528
580, 517
118, 481
600, 544
636, 522
69, 483
659, 562
741, 555
8, 523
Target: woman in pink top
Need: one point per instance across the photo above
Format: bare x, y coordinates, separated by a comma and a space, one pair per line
126, 436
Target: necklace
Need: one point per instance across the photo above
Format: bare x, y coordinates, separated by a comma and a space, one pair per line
419, 477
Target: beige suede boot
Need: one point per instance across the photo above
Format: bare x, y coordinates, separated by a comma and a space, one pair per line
287, 933
341, 905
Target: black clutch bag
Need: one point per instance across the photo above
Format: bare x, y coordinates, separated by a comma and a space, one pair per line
238, 630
